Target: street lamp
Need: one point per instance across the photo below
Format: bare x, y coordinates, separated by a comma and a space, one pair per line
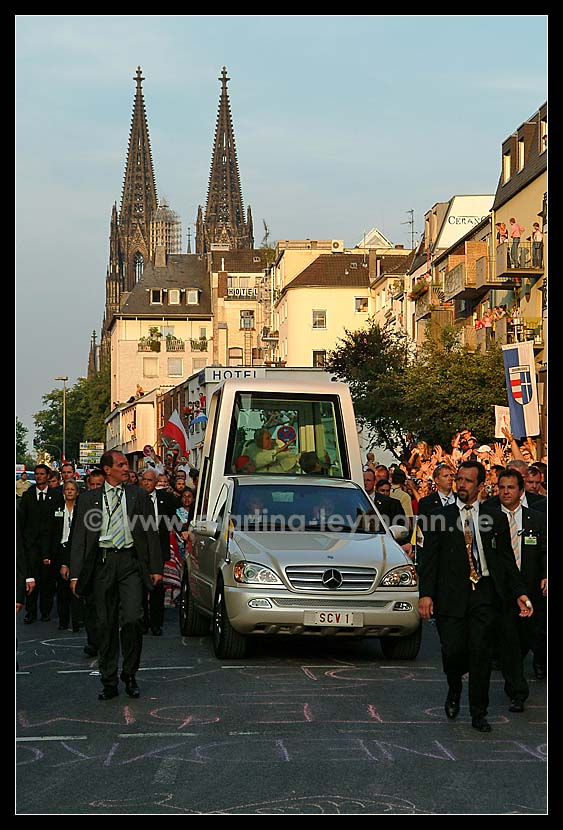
64, 379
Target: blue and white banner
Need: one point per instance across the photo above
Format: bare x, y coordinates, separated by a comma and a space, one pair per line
520, 373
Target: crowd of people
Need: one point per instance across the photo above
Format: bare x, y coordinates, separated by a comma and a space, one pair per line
53, 546
478, 521
475, 516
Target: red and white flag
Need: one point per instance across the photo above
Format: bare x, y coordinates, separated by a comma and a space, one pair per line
174, 429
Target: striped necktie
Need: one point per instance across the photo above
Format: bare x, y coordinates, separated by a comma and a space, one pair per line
514, 539
116, 529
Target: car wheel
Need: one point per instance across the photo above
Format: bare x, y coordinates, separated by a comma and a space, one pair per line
402, 648
227, 643
192, 623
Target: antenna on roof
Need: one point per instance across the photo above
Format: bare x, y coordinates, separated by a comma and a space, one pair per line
266, 235
411, 223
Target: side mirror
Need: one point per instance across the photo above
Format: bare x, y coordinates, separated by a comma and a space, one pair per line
400, 534
204, 528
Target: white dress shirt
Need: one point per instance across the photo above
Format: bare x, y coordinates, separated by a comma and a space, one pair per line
463, 513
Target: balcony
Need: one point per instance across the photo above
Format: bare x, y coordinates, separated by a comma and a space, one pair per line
175, 344
499, 273
147, 345
461, 284
527, 328
269, 336
427, 301
199, 345
396, 289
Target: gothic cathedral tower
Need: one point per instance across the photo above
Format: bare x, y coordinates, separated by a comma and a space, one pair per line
130, 230
224, 222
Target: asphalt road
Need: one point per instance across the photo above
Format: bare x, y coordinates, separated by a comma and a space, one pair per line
299, 727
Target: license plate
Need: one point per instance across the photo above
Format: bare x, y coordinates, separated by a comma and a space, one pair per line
340, 619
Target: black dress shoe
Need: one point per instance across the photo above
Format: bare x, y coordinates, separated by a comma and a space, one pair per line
516, 706
481, 724
45, 618
131, 687
63, 627
539, 671
157, 632
75, 629
451, 707
90, 651
145, 628
29, 618
108, 692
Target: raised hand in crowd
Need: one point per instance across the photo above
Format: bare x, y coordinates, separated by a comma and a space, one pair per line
497, 454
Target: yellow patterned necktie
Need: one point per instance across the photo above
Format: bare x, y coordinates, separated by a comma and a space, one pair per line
468, 535
514, 537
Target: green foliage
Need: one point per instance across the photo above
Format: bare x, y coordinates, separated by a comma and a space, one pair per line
87, 404
430, 392
449, 388
21, 442
373, 362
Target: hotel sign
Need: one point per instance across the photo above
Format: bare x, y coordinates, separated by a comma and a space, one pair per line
242, 292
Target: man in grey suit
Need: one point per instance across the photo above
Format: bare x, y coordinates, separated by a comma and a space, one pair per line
468, 572
115, 556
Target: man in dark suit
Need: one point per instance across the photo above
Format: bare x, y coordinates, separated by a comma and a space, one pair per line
467, 572
390, 509
115, 554
529, 542
529, 499
164, 506
38, 506
443, 476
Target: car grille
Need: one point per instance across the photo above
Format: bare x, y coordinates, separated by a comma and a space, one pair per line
358, 604
310, 578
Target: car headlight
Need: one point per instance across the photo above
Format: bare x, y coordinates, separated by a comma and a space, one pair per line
402, 577
251, 573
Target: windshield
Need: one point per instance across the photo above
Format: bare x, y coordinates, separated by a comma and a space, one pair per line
277, 433
299, 507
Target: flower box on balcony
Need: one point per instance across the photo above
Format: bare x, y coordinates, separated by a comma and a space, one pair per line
418, 291
199, 345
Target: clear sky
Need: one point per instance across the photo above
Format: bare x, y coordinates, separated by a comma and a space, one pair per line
342, 123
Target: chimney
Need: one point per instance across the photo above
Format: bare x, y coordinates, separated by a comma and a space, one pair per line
400, 247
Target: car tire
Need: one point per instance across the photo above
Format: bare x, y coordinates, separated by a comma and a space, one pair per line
192, 622
227, 643
402, 648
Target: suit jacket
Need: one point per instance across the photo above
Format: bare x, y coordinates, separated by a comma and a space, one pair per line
391, 509
533, 564
444, 569
167, 504
535, 500
84, 551
426, 505
36, 522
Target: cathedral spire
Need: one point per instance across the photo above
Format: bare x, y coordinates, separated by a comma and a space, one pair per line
139, 200
224, 221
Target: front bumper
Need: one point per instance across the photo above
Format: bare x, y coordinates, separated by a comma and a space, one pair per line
380, 615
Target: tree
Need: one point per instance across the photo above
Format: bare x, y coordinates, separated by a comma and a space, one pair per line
21, 442
430, 391
373, 361
449, 387
87, 404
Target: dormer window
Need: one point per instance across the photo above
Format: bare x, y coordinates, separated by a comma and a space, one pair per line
521, 149
156, 296
192, 296
174, 296
543, 134
506, 167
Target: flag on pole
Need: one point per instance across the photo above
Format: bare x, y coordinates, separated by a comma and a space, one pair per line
174, 428
520, 373
199, 419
